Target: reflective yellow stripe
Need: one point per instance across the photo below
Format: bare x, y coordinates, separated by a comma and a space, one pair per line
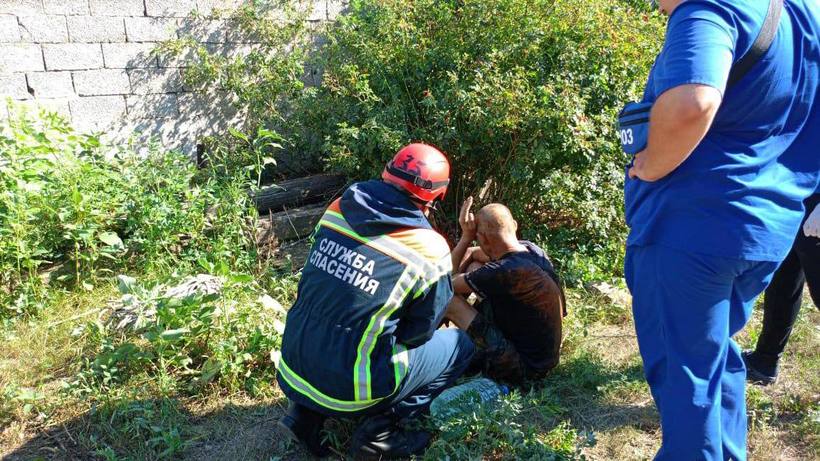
431, 281
361, 370
304, 388
417, 266
400, 361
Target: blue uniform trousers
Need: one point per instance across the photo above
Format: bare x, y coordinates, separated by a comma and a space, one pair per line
686, 308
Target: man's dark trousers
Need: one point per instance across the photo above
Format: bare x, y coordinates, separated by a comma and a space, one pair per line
785, 294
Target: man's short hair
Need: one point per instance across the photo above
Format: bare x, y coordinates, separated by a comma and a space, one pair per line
496, 218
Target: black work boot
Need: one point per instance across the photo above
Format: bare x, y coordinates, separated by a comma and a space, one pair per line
305, 426
380, 437
759, 370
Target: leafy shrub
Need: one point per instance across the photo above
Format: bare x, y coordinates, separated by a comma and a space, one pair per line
230, 337
500, 432
177, 220
521, 94
59, 200
69, 203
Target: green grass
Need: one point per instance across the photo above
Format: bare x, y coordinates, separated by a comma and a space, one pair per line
594, 406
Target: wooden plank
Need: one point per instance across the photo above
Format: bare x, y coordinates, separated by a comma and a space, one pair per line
298, 192
288, 225
291, 255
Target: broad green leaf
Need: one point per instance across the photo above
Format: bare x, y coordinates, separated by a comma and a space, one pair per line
126, 284
173, 335
111, 239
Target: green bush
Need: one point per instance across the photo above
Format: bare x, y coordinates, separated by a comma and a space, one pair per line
84, 211
60, 200
179, 218
521, 95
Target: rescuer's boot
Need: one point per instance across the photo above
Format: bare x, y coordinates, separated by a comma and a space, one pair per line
305, 426
380, 437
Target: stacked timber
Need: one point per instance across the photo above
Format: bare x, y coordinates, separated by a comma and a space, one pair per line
291, 209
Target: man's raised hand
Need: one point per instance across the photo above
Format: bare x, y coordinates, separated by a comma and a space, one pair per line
466, 220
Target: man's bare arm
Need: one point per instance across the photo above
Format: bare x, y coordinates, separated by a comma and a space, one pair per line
460, 285
679, 120
458, 253
473, 255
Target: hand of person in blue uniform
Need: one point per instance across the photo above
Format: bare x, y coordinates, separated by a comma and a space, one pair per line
812, 225
680, 119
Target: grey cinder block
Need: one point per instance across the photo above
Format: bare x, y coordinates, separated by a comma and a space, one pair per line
50, 84
215, 7
66, 7
204, 30
95, 29
102, 82
152, 106
129, 55
117, 7
59, 106
43, 29
94, 109
155, 81
9, 29
150, 29
73, 56
20, 57
13, 86
169, 8
21, 7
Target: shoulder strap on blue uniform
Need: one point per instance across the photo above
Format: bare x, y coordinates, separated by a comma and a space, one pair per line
760, 46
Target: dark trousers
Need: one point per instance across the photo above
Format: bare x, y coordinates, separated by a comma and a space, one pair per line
496, 357
785, 294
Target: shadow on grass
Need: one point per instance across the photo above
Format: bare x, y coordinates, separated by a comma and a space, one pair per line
164, 429
596, 397
578, 391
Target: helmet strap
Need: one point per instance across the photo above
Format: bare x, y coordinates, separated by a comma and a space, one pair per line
416, 180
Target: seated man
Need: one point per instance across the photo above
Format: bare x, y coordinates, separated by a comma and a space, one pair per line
517, 324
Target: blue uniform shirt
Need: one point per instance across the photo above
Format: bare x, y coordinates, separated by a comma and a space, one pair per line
740, 193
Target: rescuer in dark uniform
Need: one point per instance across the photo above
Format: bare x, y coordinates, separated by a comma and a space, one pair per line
362, 338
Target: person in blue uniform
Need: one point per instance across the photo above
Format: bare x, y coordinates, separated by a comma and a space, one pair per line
713, 198
361, 338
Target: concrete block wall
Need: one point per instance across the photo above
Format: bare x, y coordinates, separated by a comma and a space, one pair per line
91, 61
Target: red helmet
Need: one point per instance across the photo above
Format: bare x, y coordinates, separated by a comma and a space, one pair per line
421, 170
